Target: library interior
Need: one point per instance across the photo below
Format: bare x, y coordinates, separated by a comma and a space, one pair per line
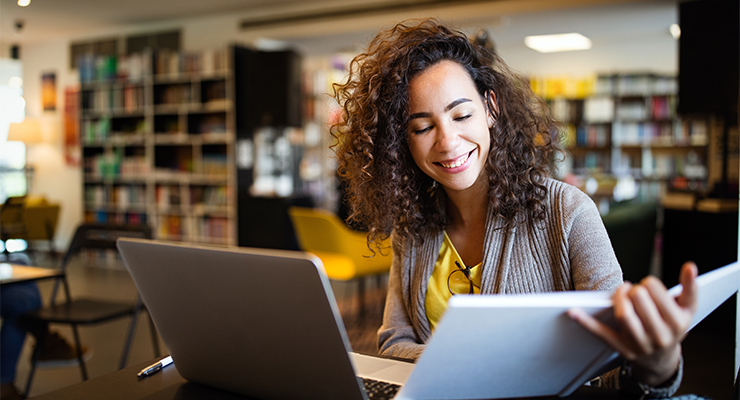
208, 124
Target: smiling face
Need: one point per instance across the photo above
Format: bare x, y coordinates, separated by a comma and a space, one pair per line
448, 128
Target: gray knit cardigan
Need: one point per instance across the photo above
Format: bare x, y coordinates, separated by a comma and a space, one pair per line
569, 250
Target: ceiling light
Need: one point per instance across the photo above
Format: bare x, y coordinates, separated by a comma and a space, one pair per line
24, 3
675, 31
559, 42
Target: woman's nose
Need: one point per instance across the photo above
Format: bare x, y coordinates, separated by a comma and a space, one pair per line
447, 138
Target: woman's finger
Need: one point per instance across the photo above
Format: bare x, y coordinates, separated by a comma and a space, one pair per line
675, 317
688, 297
632, 328
659, 333
601, 330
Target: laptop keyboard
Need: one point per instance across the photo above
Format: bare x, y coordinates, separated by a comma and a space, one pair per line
378, 390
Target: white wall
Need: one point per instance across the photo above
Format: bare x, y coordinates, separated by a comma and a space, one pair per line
53, 178
62, 183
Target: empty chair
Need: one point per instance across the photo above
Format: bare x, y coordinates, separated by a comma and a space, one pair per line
87, 311
632, 227
31, 219
343, 252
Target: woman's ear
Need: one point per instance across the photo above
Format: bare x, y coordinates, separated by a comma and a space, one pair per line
492, 107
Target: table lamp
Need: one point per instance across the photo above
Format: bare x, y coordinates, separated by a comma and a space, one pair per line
28, 132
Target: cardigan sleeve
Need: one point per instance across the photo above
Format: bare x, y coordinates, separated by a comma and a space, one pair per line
396, 336
594, 265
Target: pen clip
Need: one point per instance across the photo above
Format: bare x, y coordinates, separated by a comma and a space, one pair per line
155, 367
149, 370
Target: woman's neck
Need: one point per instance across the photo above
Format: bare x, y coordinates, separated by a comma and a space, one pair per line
467, 211
466, 207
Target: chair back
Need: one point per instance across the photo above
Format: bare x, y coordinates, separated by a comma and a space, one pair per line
97, 237
102, 237
632, 227
321, 231
41, 221
28, 218
12, 225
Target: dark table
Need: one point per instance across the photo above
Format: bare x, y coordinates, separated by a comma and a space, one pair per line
168, 384
14, 273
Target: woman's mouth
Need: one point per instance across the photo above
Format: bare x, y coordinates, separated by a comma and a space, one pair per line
456, 163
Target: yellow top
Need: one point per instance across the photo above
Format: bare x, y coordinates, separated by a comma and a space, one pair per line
437, 292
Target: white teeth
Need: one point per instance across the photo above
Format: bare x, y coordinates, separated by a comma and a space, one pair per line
460, 161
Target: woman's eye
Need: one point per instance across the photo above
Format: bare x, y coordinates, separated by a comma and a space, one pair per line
422, 130
463, 118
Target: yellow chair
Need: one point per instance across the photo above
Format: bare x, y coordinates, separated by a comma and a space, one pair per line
343, 252
29, 218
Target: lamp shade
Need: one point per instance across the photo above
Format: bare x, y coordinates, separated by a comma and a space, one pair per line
28, 132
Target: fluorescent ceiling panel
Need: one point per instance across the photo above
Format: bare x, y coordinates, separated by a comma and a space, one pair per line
558, 42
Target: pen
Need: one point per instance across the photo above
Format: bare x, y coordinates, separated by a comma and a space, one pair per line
155, 367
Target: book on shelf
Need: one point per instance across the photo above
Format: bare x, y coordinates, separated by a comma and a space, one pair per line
598, 109
135, 66
168, 196
127, 196
173, 94
95, 130
136, 218
96, 195
694, 132
213, 61
135, 166
215, 164
211, 123
634, 85
633, 110
593, 136
214, 228
97, 68
207, 62
662, 107
170, 226
215, 196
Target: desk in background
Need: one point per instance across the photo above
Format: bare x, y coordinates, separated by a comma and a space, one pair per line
14, 273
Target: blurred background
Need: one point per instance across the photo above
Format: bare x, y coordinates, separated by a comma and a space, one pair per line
208, 120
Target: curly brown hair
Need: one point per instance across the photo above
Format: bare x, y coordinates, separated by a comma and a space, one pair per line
386, 190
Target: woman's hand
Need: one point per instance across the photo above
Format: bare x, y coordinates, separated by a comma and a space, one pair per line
652, 324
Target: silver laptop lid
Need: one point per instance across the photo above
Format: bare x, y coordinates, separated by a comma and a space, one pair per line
262, 323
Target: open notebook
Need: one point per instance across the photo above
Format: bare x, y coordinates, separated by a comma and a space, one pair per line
525, 345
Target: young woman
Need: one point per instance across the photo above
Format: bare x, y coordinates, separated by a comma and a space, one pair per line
446, 149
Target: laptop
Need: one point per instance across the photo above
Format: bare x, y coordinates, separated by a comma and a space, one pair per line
257, 322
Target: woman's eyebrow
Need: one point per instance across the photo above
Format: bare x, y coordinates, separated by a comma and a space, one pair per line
456, 103
448, 108
420, 115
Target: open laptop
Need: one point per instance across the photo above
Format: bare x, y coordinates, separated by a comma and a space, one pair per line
262, 323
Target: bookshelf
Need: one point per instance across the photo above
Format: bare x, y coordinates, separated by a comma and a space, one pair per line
625, 125
318, 166
158, 133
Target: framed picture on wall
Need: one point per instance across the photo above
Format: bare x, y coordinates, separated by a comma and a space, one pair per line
49, 91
